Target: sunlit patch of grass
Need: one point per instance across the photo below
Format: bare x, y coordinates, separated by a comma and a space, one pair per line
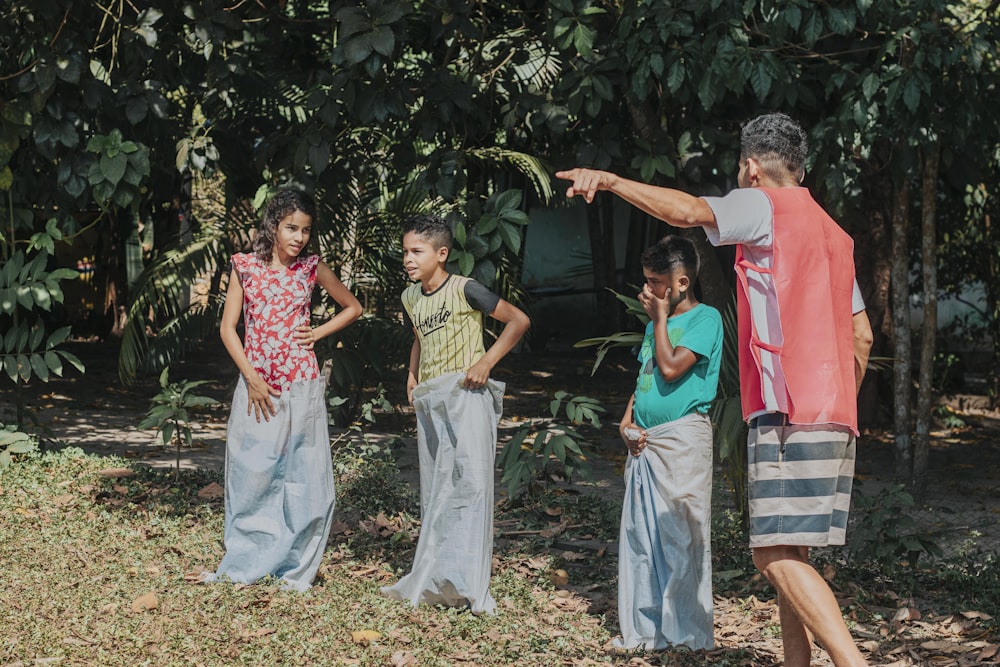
95, 556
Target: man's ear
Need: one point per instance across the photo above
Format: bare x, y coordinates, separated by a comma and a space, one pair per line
684, 282
753, 170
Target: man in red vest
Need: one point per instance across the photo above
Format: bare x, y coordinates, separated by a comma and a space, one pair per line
804, 340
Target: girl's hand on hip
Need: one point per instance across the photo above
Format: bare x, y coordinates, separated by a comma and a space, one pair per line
260, 402
305, 336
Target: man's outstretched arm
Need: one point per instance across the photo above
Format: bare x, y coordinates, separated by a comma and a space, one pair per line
674, 207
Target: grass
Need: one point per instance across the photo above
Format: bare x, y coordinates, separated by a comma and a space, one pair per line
94, 573
95, 555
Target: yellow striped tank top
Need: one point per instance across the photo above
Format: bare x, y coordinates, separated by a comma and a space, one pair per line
450, 330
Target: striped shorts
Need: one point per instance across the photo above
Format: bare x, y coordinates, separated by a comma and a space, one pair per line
800, 479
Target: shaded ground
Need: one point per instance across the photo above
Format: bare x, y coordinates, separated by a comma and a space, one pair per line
97, 414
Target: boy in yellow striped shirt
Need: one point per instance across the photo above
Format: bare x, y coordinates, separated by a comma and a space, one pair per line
458, 407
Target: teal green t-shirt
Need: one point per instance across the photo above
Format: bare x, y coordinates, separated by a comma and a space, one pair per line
658, 401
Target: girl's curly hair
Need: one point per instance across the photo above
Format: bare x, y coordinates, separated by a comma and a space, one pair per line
285, 201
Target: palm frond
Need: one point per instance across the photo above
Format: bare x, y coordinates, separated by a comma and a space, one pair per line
536, 171
183, 333
162, 291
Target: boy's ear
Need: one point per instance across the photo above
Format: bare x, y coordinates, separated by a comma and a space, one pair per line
443, 253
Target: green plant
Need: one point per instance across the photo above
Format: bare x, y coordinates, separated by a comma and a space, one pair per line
13, 442
887, 533
621, 339
368, 479
729, 428
28, 291
528, 455
169, 411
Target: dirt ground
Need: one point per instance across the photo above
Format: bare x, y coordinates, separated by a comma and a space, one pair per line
97, 413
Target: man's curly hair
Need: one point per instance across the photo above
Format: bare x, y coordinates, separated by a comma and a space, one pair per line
777, 143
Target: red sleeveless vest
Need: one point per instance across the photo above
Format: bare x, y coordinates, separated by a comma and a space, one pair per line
813, 274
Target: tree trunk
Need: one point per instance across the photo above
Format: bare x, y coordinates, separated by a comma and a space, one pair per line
901, 330
928, 252
602, 255
872, 232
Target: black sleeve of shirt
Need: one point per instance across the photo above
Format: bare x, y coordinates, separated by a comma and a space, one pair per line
407, 322
480, 298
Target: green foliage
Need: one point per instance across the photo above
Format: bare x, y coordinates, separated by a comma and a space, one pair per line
481, 246
363, 355
730, 429
168, 412
887, 535
28, 293
13, 442
622, 338
537, 452
368, 479
121, 167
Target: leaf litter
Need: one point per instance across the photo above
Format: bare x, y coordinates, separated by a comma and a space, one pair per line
99, 572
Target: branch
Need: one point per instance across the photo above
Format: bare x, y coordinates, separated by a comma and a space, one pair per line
35, 61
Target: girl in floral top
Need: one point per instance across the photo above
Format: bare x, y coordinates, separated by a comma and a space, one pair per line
279, 479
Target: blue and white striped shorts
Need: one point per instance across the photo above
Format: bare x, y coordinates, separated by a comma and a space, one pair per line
800, 479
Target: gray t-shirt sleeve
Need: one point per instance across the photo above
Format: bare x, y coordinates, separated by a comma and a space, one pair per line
480, 298
745, 216
742, 216
857, 302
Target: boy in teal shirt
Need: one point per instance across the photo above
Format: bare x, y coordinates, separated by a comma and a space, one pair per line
665, 566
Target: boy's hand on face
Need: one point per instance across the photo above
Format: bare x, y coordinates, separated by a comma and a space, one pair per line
657, 309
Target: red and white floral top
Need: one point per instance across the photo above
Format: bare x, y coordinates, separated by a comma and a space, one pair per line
275, 301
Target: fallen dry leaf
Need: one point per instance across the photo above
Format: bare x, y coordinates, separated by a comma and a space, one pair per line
259, 632
906, 614
559, 577
212, 491
402, 659
364, 637
145, 602
338, 527
113, 473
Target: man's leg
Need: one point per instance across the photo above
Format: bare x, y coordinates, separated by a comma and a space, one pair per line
806, 604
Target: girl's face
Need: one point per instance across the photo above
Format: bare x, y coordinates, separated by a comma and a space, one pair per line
291, 236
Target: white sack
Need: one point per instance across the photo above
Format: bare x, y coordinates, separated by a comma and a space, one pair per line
279, 488
664, 558
456, 442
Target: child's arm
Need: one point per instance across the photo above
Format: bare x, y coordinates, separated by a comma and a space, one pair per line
259, 391
413, 372
516, 323
306, 334
635, 447
672, 362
